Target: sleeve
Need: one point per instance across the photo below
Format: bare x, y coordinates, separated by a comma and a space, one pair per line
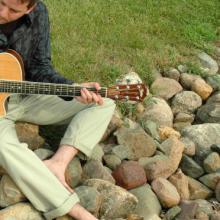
3, 42
41, 69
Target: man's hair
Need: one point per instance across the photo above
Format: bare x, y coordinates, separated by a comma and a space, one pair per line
30, 2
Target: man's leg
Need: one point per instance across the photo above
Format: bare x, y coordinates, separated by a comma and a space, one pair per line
34, 179
89, 119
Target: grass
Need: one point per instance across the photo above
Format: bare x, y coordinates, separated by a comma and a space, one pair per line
100, 40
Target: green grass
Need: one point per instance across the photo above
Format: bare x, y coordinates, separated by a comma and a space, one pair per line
100, 40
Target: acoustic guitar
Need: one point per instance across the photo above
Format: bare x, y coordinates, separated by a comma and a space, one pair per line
12, 75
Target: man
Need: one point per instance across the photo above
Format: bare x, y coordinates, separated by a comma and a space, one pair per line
24, 27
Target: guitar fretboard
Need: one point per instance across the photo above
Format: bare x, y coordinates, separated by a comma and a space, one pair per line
26, 87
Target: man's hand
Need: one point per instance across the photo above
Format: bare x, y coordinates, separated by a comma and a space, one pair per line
88, 97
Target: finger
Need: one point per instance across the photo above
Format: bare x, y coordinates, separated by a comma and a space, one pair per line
95, 97
88, 95
100, 100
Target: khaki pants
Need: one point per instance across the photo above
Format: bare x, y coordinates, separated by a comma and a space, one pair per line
87, 124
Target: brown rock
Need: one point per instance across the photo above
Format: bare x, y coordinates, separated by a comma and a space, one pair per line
166, 192
180, 181
29, 133
166, 132
188, 210
203, 89
129, 175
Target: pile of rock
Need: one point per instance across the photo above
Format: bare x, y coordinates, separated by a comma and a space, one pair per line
162, 164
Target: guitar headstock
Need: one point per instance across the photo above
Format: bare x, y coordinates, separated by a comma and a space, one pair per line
129, 92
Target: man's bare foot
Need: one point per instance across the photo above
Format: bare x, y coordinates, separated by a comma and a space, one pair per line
58, 169
80, 213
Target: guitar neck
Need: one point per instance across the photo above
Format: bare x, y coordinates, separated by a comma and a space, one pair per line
31, 88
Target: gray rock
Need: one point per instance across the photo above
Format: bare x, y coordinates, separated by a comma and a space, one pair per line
116, 201
90, 198
43, 153
188, 210
172, 213
165, 88
172, 73
187, 80
190, 167
216, 148
210, 180
217, 191
148, 203
186, 101
74, 172
214, 81
208, 62
139, 143
153, 112
204, 206
151, 128
210, 112
97, 153
203, 136
112, 161
95, 169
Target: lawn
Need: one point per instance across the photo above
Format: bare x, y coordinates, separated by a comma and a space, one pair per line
100, 40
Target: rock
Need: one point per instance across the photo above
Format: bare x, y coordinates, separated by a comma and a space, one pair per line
172, 73
203, 136
203, 206
210, 180
190, 167
148, 203
74, 172
181, 125
215, 216
151, 128
182, 68
214, 81
173, 148
180, 181
97, 153
189, 146
166, 192
153, 112
202, 216
166, 132
29, 133
187, 80
210, 112
216, 148
134, 217
184, 117
188, 210
208, 62
43, 153
139, 143
217, 191
198, 190
165, 88
90, 199
9, 192
121, 151
116, 201
172, 213
157, 166
212, 163
112, 161
186, 101
20, 211
115, 123
203, 89
95, 169
129, 175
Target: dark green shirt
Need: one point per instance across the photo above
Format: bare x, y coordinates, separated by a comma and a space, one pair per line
30, 37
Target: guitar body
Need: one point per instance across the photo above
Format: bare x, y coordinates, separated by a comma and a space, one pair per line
11, 68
